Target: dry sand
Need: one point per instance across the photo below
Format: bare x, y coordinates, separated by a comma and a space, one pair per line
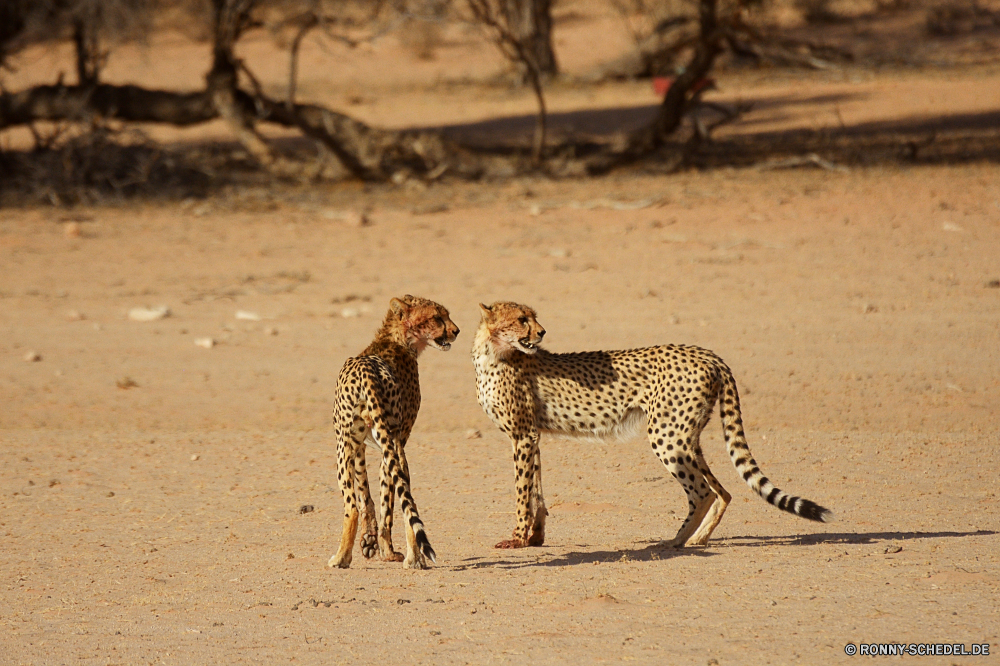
151, 488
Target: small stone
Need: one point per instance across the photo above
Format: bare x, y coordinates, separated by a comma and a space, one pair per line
149, 314
893, 549
993, 284
32, 357
869, 309
270, 331
307, 508
195, 456
559, 253
473, 433
348, 313
126, 383
247, 315
72, 230
75, 315
351, 218
110, 494
207, 343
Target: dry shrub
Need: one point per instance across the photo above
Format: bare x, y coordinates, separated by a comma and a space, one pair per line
958, 17
97, 163
817, 11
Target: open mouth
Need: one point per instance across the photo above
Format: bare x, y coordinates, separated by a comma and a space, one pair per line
530, 347
442, 343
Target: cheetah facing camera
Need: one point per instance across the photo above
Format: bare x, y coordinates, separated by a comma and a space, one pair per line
378, 396
526, 390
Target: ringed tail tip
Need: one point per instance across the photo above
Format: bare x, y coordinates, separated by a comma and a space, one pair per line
425, 546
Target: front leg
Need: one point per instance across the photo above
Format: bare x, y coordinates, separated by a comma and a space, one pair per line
537, 506
525, 449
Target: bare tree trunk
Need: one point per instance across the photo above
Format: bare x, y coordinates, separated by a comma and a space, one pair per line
675, 102
538, 144
293, 62
680, 96
88, 56
531, 23
229, 19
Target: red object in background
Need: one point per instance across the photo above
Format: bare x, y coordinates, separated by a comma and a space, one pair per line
661, 84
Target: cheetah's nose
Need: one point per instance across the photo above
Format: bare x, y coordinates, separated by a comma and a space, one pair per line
457, 331
541, 334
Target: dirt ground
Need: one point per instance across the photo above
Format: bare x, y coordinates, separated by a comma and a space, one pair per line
152, 484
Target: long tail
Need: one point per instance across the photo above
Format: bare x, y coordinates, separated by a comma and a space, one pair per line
410, 507
739, 452
392, 452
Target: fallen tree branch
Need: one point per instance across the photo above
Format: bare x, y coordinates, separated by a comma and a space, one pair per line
369, 153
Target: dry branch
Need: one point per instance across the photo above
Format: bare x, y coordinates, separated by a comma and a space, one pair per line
517, 48
369, 153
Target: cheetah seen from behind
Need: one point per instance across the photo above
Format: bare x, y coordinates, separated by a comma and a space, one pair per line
672, 389
378, 396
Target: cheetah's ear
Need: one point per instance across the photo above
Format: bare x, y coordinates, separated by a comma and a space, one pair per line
399, 307
487, 312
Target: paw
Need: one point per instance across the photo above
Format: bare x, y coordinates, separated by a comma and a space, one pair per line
392, 556
369, 545
537, 538
673, 543
512, 543
339, 560
414, 562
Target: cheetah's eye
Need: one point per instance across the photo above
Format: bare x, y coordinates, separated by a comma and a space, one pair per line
523, 321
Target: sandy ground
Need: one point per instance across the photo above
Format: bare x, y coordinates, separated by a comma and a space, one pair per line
151, 488
159, 523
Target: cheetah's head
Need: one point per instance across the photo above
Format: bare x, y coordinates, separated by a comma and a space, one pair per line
424, 323
512, 327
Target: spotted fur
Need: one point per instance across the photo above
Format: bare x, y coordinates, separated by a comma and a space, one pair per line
378, 396
670, 390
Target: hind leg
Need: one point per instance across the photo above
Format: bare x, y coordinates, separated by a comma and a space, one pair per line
369, 519
714, 515
700, 503
398, 470
679, 452
345, 478
388, 482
